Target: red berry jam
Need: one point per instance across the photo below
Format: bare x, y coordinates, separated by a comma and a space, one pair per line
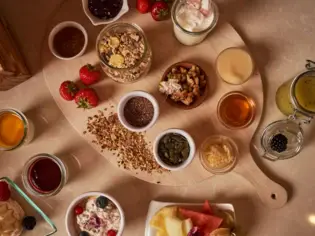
44, 175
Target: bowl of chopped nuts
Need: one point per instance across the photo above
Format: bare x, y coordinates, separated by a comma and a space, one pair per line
185, 85
124, 52
138, 111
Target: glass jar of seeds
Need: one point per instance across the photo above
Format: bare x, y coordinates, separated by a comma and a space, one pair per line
124, 52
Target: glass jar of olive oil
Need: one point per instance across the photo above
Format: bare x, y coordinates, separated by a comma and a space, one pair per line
296, 98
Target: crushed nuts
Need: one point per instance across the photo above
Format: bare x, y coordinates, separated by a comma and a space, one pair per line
132, 150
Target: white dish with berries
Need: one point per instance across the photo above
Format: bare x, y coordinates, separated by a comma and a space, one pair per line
95, 214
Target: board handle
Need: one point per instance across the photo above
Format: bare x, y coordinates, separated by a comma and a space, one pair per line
270, 193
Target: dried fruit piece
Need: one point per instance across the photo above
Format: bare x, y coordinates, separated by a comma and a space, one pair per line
4, 191
101, 202
113, 42
116, 60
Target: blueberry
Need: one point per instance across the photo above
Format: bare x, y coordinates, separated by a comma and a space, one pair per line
29, 222
101, 202
84, 233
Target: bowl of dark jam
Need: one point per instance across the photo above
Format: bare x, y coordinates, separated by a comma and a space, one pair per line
104, 11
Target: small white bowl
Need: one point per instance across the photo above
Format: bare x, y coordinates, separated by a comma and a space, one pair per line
97, 21
61, 26
70, 217
123, 102
191, 143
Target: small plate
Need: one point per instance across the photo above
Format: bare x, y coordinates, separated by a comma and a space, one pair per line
155, 206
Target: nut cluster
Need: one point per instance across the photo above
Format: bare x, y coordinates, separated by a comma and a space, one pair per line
184, 84
131, 149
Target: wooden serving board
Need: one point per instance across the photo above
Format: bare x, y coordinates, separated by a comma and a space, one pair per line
200, 122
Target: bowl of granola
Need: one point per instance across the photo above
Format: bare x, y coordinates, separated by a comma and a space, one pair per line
185, 85
124, 52
95, 214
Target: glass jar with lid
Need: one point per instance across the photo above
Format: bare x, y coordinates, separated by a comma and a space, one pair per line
124, 52
296, 97
283, 139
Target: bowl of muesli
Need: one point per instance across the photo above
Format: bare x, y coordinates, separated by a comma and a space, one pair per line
124, 52
95, 214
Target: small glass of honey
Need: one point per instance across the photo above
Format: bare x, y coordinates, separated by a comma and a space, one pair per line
15, 129
236, 110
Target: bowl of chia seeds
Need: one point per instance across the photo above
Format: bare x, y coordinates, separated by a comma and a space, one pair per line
138, 111
174, 149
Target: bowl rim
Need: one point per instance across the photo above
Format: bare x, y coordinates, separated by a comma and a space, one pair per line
82, 196
199, 100
191, 143
97, 21
127, 97
60, 26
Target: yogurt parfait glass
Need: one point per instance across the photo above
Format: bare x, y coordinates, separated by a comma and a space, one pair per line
190, 26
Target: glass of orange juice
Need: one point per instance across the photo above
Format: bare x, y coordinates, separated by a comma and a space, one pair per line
15, 129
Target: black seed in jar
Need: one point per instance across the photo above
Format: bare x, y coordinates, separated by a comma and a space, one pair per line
138, 111
105, 9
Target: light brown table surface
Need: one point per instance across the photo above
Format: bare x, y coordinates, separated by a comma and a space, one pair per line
280, 35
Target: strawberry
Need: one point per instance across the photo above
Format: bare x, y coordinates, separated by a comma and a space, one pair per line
68, 90
86, 98
160, 11
143, 6
89, 74
4, 191
111, 233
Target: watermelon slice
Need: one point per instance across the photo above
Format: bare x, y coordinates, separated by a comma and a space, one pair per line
207, 223
207, 208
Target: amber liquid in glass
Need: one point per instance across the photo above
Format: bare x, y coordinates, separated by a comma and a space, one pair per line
236, 110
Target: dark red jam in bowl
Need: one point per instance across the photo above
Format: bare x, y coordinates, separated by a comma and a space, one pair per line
105, 9
44, 175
